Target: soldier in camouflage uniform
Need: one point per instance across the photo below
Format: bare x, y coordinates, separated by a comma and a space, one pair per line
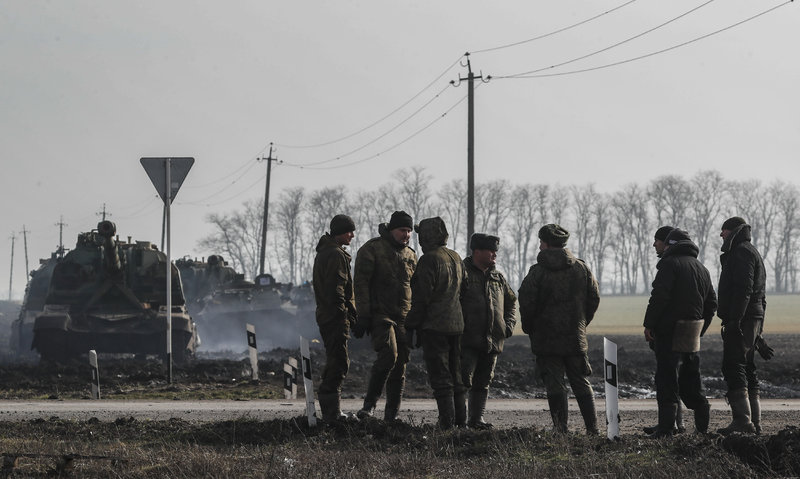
557, 300
436, 316
489, 306
333, 290
382, 286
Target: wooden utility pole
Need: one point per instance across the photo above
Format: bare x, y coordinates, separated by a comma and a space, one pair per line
263, 255
61, 225
103, 213
25, 242
11, 272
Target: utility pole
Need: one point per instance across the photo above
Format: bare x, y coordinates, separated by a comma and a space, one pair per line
11, 273
61, 225
25, 241
103, 213
263, 255
470, 144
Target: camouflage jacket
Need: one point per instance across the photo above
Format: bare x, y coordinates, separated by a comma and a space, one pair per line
333, 285
489, 306
557, 300
382, 278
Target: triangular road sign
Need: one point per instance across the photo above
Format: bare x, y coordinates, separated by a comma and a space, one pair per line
156, 169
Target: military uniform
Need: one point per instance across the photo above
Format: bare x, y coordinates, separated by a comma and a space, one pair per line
557, 300
489, 305
436, 315
333, 290
382, 285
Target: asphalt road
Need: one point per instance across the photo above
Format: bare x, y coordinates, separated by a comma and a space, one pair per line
505, 413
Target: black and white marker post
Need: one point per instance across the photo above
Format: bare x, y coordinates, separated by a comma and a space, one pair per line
311, 411
290, 379
251, 345
612, 393
95, 374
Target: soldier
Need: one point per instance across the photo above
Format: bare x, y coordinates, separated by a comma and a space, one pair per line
489, 306
557, 300
436, 316
382, 285
682, 305
336, 311
742, 303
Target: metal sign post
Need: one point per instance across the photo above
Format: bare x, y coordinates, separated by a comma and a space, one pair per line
311, 411
612, 393
167, 175
251, 345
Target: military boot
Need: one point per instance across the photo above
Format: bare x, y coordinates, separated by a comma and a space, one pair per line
666, 420
394, 396
679, 427
374, 390
447, 411
477, 406
330, 405
740, 410
559, 408
702, 414
755, 409
460, 409
589, 413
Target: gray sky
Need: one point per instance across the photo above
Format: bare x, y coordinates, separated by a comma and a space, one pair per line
89, 87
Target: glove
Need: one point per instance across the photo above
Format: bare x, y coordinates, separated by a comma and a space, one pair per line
361, 326
763, 349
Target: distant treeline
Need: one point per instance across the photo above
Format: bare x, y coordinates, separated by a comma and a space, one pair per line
612, 232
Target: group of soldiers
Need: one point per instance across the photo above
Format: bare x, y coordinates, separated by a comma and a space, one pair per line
460, 311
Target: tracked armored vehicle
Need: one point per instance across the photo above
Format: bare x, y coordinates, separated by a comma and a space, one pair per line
110, 296
32, 305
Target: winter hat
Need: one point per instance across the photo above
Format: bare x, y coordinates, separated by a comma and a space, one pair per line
554, 235
733, 223
401, 219
341, 224
676, 235
661, 233
484, 241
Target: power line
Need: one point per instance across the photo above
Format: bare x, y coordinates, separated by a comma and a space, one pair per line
219, 191
243, 165
640, 57
614, 45
330, 142
554, 32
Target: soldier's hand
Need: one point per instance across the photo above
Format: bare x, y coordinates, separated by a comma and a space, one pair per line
763, 348
648, 335
358, 330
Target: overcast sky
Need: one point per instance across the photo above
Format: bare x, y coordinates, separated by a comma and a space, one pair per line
89, 87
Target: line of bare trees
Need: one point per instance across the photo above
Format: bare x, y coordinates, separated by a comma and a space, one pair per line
612, 232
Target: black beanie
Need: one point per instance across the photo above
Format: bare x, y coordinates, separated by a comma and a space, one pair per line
733, 223
484, 241
676, 235
661, 233
553, 235
341, 224
400, 219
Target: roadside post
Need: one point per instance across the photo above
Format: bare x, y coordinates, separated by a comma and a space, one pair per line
612, 393
95, 374
305, 352
167, 175
290, 379
251, 345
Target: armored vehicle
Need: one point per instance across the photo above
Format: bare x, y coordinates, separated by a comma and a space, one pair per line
32, 305
223, 302
110, 296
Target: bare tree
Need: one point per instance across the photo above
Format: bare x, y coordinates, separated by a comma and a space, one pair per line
289, 232
492, 202
583, 199
559, 203
708, 195
788, 205
672, 196
522, 228
453, 202
414, 194
237, 237
601, 220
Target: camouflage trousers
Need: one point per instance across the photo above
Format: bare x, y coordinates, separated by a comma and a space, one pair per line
389, 341
337, 362
442, 355
477, 369
552, 370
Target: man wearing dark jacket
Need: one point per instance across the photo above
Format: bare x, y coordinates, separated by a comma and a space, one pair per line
436, 316
489, 305
382, 286
336, 311
557, 300
742, 303
681, 307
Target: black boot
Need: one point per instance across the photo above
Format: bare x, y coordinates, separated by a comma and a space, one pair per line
559, 408
460, 409
702, 415
755, 409
330, 405
374, 390
394, 395
589, 413
666, 420
679, 427
477, 406
447, 413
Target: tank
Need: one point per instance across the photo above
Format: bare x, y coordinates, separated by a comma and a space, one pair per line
21, 340
110, 296
223, 302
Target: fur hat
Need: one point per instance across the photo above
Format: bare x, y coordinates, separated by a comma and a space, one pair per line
341, 224
554, 235
484, 241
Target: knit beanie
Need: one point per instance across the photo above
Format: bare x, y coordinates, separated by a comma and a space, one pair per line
733, 223
676, 235
661, 233
400, 219
341, 224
